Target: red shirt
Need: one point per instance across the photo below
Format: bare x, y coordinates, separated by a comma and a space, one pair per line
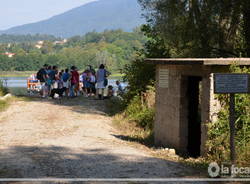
75, 77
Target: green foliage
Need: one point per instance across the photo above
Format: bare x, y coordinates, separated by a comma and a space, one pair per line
113, 48
141, 114
3, 105
139, 75
3, 89
6, 38
218, 132
218, 28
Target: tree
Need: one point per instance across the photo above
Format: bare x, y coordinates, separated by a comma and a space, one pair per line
200, 28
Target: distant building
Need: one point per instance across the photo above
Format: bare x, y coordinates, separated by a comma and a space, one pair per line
9, 54
39, 44
60, 42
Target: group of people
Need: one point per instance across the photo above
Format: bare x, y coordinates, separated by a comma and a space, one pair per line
71, 83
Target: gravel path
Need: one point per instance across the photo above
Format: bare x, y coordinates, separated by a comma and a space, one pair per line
44, 138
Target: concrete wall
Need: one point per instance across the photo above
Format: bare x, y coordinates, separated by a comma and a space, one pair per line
171, 122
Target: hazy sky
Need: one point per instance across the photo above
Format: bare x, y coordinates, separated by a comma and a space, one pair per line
19, 12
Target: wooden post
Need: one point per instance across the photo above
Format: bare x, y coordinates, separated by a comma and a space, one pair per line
232, 128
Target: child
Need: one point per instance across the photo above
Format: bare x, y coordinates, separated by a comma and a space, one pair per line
110, 91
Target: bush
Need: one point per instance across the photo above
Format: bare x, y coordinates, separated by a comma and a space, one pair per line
139, 74
140, 113
3, 90
218, 132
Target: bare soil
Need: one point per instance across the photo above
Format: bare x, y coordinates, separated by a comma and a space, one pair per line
73, 139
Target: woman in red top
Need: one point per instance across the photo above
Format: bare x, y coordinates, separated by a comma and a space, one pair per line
74, 82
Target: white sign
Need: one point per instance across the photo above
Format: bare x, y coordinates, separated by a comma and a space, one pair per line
163, 78
231, 83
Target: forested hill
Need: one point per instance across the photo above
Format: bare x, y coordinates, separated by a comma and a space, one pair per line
95, 16
114, 48
6, 38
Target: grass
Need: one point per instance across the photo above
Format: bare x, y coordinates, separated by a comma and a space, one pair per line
117, 75
18, 91
18, 94
142, 137
3, 105
131, 132
139, 137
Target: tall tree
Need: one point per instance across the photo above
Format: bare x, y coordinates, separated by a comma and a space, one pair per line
201, 28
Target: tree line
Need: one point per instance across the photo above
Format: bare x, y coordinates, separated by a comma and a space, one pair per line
7, 38
115, 48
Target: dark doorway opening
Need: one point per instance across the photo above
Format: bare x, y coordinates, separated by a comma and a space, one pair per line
194, 116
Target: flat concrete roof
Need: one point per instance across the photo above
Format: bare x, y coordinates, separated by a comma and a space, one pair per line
199, 61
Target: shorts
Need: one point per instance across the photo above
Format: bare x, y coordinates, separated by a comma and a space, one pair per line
66, 84
100, 85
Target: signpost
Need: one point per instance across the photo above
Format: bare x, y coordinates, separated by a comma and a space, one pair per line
232, 84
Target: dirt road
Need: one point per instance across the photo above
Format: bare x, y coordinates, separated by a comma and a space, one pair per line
42, 138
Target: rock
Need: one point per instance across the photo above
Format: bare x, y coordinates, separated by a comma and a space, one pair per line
6, 96
171, 151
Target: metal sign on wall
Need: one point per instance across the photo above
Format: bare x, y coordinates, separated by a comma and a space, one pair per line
231, 83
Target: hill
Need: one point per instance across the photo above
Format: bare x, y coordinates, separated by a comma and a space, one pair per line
95, 16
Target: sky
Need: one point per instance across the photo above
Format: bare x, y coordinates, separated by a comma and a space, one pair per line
19, 12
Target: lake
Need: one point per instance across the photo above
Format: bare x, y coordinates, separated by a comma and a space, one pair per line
21, 82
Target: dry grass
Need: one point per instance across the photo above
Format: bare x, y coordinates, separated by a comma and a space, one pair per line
138, 137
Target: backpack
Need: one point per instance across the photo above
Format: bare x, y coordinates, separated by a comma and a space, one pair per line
39, 75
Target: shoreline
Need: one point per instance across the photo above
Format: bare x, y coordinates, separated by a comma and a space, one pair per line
28, 73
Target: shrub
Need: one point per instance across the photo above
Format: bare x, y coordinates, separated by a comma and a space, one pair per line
3, 90
218, 132
140, 113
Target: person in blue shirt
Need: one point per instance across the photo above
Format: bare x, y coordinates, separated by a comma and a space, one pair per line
120, 90
66, 81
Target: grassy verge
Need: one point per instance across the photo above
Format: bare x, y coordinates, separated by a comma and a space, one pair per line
135, 134
16, 91
129, 129
131, 132
3, 104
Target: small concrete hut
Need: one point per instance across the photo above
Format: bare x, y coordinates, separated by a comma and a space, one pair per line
185, 100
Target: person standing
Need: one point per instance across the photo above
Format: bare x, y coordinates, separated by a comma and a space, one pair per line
66, 81
102, 81
42, 76
52, 76
74, 81
92, 84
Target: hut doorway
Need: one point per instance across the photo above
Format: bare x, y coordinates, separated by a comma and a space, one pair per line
194, 88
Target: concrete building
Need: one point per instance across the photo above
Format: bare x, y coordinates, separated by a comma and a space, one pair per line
185, 101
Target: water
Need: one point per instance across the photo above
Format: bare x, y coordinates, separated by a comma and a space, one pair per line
21, 82
17, 82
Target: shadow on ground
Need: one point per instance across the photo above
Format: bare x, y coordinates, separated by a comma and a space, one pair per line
61, 162
79, 104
